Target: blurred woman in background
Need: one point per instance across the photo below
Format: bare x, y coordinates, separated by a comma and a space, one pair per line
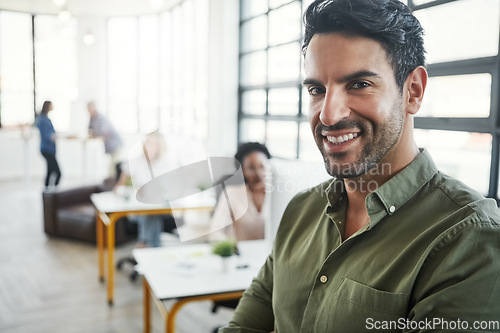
249, 197
48, 145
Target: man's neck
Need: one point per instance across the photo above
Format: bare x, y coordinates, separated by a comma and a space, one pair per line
358, 188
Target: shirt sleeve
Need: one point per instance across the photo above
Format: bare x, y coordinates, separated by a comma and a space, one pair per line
254, 313
459, 280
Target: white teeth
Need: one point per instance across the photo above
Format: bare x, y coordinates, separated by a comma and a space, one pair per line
342, 138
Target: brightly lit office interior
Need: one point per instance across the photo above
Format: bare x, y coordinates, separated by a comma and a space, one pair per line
218, 71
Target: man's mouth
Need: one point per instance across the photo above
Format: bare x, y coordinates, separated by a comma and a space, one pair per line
337, 140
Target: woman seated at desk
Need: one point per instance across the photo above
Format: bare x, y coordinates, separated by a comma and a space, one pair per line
253, 158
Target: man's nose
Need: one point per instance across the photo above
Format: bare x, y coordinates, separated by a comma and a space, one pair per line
334, 108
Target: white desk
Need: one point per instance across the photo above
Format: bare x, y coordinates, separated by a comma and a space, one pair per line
191, 273
110, 207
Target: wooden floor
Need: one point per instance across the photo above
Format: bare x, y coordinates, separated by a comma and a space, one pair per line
51, 285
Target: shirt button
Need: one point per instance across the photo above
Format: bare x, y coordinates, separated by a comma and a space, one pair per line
323, 279
392, 209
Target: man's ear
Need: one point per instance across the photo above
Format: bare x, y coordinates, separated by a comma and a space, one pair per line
415, 87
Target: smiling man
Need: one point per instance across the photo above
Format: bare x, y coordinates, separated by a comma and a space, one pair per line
390, 243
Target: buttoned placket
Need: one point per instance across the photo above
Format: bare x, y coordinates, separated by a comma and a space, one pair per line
322, 279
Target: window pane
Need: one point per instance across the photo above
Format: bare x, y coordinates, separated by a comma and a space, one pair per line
284, 101
305, 4
16, 68
308, 150
305, 101
252, 130
166, 79
250, 8
284, 63
461, 30
56, 67
122, 73
149, 73
421, 2
254, 102
285, 24
201, 37
253, 69
253, 34
177, 80
277, 3
282, 138
184, 69
463, 155
457, 96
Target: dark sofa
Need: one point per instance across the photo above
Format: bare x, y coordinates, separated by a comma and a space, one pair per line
70, 214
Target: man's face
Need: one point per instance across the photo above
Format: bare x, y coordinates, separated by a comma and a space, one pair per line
355, 108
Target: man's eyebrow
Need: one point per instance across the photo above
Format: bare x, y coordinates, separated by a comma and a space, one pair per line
312, 82
358, 75
344, 79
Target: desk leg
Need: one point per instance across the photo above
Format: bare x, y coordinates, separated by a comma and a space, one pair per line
147, 306
100, 246
111, 258
170, 316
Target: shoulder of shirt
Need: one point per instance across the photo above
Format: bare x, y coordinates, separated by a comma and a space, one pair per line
483, 210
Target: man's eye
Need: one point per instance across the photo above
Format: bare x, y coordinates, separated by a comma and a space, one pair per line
360, 85
313, 91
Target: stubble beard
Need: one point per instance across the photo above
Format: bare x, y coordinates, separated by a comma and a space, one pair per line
385, 136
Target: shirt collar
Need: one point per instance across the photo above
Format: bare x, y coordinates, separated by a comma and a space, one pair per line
399, 189
394, 193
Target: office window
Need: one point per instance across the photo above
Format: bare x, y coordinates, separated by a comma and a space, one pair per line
56, 67
252, 130
282, 138
457, 96
53, 76
16, 69
460, 30
463, 155
459, 121
283, 101
122, 64
270, 75
459, 118
158, 70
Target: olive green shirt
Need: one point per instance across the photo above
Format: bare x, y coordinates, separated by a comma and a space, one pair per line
430, 252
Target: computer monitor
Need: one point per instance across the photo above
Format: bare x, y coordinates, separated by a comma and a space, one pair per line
289, 177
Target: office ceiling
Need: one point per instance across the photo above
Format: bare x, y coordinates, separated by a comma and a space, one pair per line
89, 7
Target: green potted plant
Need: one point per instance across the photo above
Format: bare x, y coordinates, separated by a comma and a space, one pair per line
225, 249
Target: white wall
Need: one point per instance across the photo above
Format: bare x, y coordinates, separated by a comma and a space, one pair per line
223, 85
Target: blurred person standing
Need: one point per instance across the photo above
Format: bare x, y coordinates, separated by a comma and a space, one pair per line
101, 127
48, 145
